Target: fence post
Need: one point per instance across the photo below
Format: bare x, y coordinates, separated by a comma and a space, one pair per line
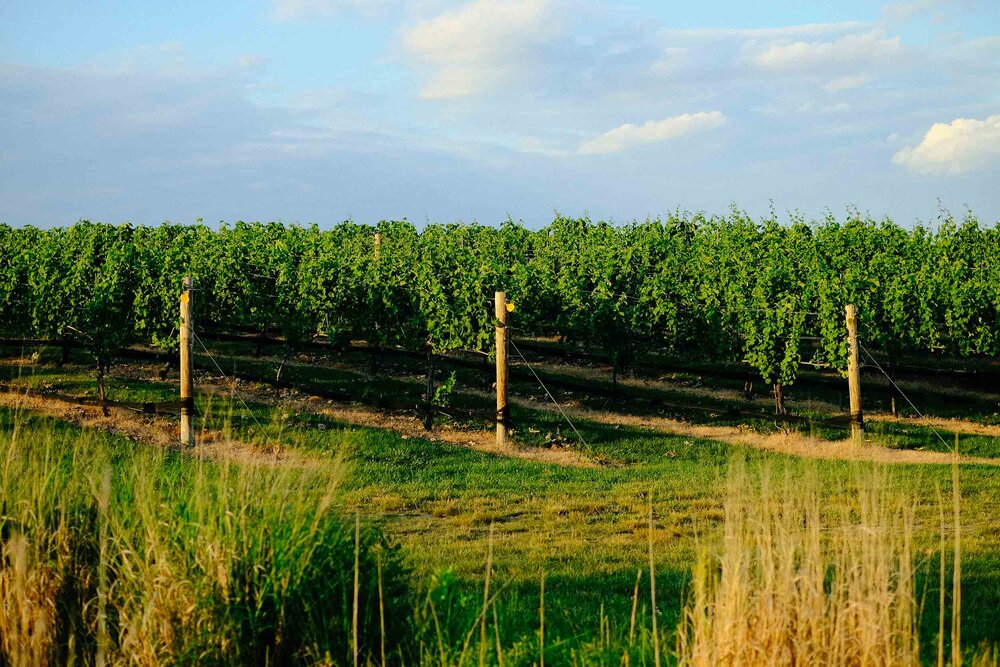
503, 412
187, 377
378, 244
854, 376
429, 393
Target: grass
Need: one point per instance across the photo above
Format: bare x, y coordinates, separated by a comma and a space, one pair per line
585, 529
115, 554
791, 586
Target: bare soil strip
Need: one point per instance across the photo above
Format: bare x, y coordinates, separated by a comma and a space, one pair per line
663, 383
482, 441
946, 427
162, 432
705, 387
793, 443
158, 431
410, 427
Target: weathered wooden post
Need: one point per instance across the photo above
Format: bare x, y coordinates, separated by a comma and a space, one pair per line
187, 375
503, 412
429, 393
378, 244
854, 376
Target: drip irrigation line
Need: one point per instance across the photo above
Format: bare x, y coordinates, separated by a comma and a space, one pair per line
551, 397
257, 292
901, 392
232, 386
524, 332
81, 333
248, 292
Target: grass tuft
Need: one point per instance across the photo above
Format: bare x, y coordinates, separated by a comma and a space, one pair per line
114, 553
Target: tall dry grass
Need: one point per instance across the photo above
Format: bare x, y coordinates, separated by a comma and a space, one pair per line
118, 554
795, 582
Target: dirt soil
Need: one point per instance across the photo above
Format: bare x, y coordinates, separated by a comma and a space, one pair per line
158, 431
163, 431
792, 442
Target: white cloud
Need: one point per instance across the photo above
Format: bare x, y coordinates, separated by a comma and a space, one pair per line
629, 135
856, 49
783, 32
843, 83
964, 144
904, 11
671, 62
186, 147
536, 146
298, 10
480, 45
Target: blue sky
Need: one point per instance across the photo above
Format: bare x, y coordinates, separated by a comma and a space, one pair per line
438, 110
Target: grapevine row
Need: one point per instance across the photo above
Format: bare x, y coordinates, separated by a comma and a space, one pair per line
725, 288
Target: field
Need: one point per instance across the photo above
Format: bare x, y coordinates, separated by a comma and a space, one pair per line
577, 515
346, 501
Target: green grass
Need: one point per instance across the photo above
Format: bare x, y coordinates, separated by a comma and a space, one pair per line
584, 528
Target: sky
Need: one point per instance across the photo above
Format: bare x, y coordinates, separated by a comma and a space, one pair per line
319, 111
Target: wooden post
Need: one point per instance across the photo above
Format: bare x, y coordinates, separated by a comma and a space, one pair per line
65, 350
429, 393
854, 376
378, 244
503, 412
187, 377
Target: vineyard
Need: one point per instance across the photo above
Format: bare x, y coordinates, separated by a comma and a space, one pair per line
722, 289
678, 487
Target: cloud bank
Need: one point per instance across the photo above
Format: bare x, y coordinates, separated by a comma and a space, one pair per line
963, 145
478, 46
629, 135
851, 50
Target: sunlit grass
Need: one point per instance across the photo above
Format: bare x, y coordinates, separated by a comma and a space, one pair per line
115, 553
585, 530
